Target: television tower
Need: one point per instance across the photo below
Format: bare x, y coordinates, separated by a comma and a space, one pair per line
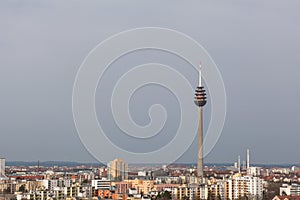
200, 101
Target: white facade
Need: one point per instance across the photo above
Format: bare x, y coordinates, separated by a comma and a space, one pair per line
51, 184
253, 171
142, 173
255, 187
251, 186
102, 184
293, 189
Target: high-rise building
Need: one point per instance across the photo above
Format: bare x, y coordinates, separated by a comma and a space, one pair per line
117, 170
2, 167
200, 101
237, 187
240, 186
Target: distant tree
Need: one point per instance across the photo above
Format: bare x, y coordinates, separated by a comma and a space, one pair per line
7, 190
158, 196
185, 198
166, 195
22, 188
271, 191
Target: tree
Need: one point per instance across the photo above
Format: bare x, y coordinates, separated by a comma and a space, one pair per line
7, 190
22, 188
166, 195
185, 198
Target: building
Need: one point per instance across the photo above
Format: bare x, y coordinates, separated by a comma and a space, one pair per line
123, 187
293, 189
286, 198
142, 186
236, 187
2, 167
101, 184
243, 186
253, 171
117, 170
191, 191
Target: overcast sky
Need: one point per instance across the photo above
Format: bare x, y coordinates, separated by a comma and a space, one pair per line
256, 45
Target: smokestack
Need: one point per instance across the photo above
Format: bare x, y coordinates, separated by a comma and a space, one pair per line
38, 168
239, 163
248, 159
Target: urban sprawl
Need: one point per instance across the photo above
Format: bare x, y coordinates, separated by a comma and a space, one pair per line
117, 180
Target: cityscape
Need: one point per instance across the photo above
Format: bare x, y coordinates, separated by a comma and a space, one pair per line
119, 180
149, 100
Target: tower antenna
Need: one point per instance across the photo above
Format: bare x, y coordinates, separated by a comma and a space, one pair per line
200, 74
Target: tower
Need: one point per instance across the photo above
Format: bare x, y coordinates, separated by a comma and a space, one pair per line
200, 101
117, 170
2, 167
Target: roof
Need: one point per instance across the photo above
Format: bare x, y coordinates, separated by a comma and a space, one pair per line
289, 197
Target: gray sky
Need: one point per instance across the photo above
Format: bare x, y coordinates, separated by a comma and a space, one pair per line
254, 43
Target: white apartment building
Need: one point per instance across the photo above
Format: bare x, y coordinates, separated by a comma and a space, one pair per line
102, 184
293, 189
236, 187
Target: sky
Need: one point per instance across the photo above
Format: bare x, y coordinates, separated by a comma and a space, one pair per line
255, 45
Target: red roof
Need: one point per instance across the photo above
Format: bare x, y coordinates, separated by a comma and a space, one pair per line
290, 197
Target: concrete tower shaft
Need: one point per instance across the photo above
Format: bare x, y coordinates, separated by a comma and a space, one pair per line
200, 101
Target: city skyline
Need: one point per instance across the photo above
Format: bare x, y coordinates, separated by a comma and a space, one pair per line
254, 46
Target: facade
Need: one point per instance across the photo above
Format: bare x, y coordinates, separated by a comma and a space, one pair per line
123, 187
117, 170
142, 186
51, 184
192, 191
253, 171
236, 187
293, 189
102, 184
244, 186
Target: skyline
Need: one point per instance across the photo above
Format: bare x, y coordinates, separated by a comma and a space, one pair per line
254, 45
